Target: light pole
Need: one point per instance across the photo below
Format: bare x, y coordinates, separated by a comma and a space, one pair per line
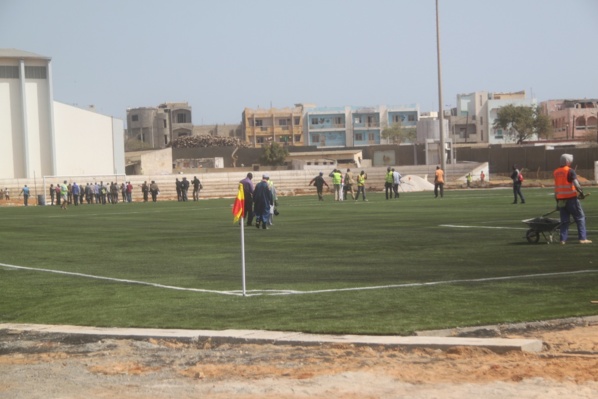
440, 109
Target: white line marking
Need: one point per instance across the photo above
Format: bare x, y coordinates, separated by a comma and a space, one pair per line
119, 280
457, 226
295, 292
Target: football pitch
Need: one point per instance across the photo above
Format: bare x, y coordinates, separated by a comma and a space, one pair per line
376, 267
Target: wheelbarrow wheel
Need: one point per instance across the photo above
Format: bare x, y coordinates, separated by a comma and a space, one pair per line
532, 236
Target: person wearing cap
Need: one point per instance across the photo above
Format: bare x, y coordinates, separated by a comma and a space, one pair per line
566, 191
319, 182
262, 201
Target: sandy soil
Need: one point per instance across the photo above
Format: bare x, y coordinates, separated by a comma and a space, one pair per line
35, 365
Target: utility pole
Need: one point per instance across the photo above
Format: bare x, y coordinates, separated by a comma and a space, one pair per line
440, 102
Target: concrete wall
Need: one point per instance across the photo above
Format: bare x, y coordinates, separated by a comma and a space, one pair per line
540, 160
87, 143
225, 184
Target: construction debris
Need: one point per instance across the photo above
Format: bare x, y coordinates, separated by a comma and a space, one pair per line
207, 141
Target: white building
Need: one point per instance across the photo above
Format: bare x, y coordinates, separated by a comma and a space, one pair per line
40, 136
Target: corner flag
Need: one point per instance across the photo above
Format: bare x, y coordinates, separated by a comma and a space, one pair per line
239, 205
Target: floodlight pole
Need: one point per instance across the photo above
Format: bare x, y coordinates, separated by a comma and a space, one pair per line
440, 110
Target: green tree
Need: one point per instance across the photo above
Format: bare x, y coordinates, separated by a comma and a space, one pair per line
274, 155
522, 122
397, 133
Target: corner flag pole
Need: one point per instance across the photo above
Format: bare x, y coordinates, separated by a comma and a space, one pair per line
243, 253
239, 215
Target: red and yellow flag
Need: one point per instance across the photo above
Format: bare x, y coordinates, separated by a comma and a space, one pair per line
239, 205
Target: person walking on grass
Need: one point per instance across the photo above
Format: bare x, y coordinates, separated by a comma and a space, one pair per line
319, 182
517, 178
439, 182
262, 201
64, 193
566, 191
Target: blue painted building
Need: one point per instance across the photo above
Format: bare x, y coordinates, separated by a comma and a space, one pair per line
352, 126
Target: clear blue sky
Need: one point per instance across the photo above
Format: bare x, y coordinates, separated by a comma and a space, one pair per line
224, 55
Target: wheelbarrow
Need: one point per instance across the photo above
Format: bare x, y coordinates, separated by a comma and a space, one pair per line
542, 226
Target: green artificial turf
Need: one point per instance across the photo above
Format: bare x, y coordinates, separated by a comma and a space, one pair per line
376, 267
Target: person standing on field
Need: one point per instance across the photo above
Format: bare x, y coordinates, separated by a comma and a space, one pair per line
319, 182
439, 182
348, 187
262, 201
248, 194
154, 190
517, 180
388, 179
52, 194
25, 192
396, 182
566, 190
361, 178
337, 178
196, 187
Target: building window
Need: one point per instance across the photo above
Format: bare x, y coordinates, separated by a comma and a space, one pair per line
358, 136
297, 120
411, 118
181, 118
9, 72
35, 72
371, 136
338, 120
315, 138
259, 140
314, 121
165, 125
283, 122
259, 122
134, 118
297, 138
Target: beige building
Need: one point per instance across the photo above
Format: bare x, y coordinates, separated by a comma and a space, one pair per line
156, 127
262, 127
573, 119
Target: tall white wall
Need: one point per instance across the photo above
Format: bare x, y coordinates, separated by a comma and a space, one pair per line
11, 126
86, 142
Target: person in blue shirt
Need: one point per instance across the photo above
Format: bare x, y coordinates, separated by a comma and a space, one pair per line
25, 192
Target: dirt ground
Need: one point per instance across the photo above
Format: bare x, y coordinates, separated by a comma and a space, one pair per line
38, 365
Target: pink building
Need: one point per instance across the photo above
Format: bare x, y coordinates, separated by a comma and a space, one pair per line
573, 119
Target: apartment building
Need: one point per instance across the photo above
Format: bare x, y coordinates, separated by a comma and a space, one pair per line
284, 126
472, 120
352, 126
573, 119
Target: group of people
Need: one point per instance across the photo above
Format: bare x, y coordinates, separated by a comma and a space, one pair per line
342, 185
261, 201
182, 187
65, 193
